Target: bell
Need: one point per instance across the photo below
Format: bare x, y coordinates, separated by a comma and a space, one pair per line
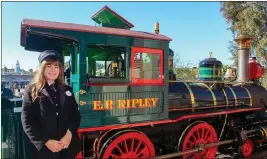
229, 75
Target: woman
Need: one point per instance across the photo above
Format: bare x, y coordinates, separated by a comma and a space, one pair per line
50, 115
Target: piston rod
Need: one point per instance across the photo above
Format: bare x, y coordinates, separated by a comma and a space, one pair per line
198, 149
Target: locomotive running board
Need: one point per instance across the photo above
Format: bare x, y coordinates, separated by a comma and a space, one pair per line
195, 150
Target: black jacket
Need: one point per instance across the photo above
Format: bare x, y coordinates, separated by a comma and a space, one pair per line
43, 119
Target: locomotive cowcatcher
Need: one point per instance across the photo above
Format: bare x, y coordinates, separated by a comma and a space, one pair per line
132, 104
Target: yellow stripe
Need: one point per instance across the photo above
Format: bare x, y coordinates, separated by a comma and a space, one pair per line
262, 133
250, 98
265, 131
191, 95
212, 93
231, 89
225, 97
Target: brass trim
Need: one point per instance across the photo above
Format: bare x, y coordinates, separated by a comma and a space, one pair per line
262, 133
76, 97
250, 98
227, 102
265, 131
82, 103
224, 82
233, 92
82, 91
212, 93
243, 41
191, 96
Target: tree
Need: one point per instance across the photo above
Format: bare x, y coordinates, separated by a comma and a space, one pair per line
249, 18
30, 70
183, 69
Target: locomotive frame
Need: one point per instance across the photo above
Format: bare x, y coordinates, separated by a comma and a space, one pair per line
136, 109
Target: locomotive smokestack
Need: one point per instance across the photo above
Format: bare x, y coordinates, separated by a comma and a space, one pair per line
243, 43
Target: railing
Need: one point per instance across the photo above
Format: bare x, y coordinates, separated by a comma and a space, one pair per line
8, 133
14, 140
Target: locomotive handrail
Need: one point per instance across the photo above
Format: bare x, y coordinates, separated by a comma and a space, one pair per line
248, 82
200, 148
108, 80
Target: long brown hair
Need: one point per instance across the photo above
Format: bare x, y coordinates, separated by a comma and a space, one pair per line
39, 79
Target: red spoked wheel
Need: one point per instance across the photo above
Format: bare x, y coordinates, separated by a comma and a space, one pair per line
128, 145
79, 155
197, 134
247, 149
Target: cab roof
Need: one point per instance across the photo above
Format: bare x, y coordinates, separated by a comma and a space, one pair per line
31, 23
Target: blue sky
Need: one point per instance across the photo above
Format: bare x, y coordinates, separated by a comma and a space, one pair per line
195, 27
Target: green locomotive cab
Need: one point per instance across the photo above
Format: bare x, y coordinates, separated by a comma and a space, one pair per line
118, 75
130, 100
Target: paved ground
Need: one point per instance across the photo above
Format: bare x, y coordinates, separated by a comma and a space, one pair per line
262, 154
257, 155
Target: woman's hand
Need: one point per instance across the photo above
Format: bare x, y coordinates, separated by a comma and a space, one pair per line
65, 141
54, 145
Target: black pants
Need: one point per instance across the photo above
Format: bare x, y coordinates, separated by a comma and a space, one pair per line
45, 153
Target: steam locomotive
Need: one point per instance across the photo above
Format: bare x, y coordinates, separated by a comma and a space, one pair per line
131, 102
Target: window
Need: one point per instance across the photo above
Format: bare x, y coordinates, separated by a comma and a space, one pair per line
147, 65
105, 61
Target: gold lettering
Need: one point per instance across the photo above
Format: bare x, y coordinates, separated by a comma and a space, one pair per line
141, 104
121, 104
147, 102
97, 105
128, 103
154, 101
109, 104
134, 102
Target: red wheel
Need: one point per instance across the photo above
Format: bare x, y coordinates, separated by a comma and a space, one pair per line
196, 134
79, 155
128, 145
246, 149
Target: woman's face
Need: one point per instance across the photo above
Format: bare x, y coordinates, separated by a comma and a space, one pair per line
51, 71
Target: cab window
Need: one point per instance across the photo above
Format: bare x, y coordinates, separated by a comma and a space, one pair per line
147, 65
106, 61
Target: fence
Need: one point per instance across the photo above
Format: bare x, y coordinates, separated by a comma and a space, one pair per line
15, 143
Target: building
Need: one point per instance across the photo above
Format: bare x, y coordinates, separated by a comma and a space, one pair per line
17, 71
15, 78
